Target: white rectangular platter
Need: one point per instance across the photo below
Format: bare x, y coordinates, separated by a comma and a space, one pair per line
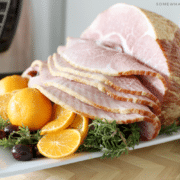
10, 167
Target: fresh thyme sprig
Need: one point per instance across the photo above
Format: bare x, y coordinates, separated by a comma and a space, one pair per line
4, 123
22, 136
110, 138
169, 130
7, 142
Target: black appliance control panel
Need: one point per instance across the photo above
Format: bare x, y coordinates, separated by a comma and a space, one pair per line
9, 17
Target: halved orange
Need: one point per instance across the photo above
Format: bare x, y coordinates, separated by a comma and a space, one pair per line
59, 144
4, 100
11, 83
81, 123
61, 119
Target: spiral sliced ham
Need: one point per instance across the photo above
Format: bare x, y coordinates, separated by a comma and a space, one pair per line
125, 82
150, 126
149, 37
124, 67
91, 95
90, 56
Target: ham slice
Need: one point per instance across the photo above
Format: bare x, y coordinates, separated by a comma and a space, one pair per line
125, 84
118, 95
149, 126
90, 56
92, 96
148, 37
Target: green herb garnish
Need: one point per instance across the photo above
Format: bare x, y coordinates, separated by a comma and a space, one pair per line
169, 130
22, 136
110, 138
4, 123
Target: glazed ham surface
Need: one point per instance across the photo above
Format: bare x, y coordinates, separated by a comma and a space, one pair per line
124, 67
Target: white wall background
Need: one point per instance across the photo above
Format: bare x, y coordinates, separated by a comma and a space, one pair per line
80, 13
48, 23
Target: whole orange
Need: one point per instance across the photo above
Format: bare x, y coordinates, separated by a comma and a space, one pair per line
29, 107
11, 83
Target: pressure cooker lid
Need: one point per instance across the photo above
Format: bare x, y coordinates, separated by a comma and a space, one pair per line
9, 17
